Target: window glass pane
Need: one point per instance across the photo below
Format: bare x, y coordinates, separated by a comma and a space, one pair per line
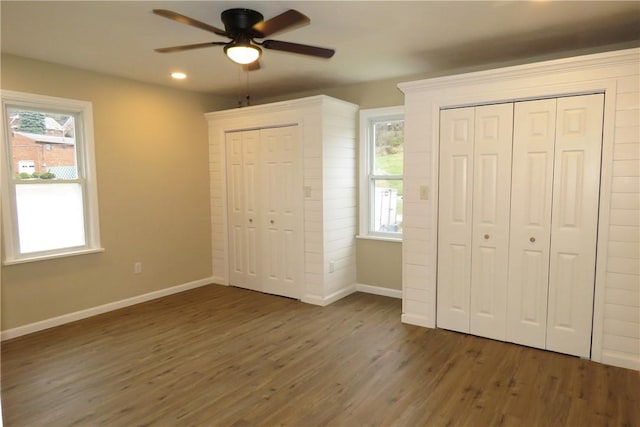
387, 206
43, 144
50, 216
389, 143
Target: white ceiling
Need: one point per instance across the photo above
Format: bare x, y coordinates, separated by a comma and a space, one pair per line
373, 39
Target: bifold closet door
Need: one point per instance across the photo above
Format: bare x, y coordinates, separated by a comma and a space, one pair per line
243, 173
517, 221
281, 189
556, 182
531, 196
490, 220
265, 210
457, 131
574, 222
475, 168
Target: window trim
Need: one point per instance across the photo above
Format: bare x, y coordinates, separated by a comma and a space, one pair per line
365, 167
86, 163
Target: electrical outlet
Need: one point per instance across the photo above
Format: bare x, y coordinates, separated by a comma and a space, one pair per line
137, 268
332, 266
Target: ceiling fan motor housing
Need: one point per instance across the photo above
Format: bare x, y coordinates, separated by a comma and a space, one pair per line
240, 21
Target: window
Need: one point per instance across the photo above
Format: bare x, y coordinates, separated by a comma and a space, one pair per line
49, 199
381, 172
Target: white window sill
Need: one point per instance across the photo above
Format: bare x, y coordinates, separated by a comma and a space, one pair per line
380, 238
51, 256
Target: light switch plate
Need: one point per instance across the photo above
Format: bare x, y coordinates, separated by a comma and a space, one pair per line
424, 192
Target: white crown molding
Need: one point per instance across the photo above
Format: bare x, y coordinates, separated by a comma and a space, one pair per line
538, 69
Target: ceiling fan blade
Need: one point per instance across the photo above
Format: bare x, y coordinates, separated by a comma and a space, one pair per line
285, 21
302, 49
189, 21
188, 47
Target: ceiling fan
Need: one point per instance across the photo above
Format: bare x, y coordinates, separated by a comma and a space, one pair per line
243, 27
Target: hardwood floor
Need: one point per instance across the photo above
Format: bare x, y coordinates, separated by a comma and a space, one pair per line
231, 357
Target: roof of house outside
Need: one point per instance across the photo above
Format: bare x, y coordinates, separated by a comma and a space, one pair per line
51, 124
48, 139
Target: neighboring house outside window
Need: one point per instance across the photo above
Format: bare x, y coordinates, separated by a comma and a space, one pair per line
49, 192
381, 172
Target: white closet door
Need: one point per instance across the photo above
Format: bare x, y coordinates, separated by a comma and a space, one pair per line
281, 187
531, 196
243, 172
490, 220
574, 223
455, 218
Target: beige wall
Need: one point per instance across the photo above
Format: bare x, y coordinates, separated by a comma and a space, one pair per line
379, 263
151, 154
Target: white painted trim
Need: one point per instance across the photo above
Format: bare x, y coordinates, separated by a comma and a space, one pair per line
604, 214
53, 256
219, 280
536, 70
619, 359
286, 107
380, 238
411, 319
379, 290
83, 314
330, 299
364, 167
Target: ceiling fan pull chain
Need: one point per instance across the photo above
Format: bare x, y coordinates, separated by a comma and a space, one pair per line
248, 99
240, 87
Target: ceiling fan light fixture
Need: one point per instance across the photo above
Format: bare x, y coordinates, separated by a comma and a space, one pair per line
242, 53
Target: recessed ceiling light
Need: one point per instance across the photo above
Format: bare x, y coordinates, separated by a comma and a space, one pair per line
179, 76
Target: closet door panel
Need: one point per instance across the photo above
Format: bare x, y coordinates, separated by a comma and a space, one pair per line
235, 208
251, 168
282, 218
574, 223
455, 218
242, 169
490, 220
530, 231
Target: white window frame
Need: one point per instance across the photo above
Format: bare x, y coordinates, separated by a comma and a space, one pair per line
366, 196
86, 170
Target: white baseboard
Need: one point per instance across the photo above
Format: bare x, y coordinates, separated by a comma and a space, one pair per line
412, 319
218, 280
356, 287
621, 360
315, 300
83, 314
378, 290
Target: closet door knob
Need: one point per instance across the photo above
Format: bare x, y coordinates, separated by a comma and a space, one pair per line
486, 236
272, 222
250, 219
532, 239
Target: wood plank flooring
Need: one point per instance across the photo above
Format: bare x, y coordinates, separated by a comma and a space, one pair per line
218, 356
